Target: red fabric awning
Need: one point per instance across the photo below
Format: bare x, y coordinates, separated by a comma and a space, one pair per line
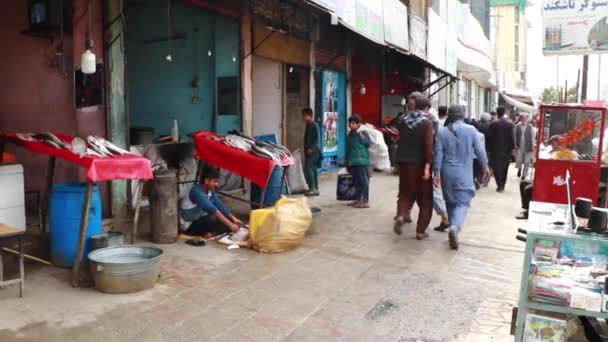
256, 169
98, 169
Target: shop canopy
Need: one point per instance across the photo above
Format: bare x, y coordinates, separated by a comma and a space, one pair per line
98, 169
517, 103
254, 168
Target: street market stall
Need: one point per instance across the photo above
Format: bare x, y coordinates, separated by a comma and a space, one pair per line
102, 160
252, 159
564, 279
570, 139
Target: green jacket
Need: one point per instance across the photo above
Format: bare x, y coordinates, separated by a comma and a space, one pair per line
357, 153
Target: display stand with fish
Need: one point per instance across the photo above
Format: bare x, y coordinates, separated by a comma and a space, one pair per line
245, 156
103, 161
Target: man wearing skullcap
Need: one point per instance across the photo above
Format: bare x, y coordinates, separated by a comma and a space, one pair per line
457, 146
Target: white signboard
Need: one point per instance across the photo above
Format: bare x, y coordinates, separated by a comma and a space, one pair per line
437, 35
418, 36
395, 24
363, 17
575, 26
451, 53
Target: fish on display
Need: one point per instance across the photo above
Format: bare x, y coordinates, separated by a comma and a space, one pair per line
52, 140
98, 146
91, 152
264, 149
79, 146
111, 147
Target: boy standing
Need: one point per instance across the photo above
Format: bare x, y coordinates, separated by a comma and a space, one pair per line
357, 161
312, 152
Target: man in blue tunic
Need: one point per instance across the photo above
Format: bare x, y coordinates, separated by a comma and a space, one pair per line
457, 145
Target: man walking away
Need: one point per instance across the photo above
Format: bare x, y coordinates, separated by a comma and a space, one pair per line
525, 136
438, 202
442, 113
484, 124
312, 152
357, 161
457, 144
415, 155
501, 144
484, 128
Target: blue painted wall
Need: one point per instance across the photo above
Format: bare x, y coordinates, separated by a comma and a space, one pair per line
159, 90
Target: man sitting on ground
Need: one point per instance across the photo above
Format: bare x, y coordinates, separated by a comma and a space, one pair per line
203, 213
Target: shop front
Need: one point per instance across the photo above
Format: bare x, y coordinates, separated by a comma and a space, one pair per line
330, 56
183, 66
366, 82
280, 70
45, 89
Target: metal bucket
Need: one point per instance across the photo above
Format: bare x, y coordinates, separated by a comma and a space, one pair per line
125, 269
109, 239
316, 211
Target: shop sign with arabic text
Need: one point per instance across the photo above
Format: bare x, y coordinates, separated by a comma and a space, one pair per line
575, 26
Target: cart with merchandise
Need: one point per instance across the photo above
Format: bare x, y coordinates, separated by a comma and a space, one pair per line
563, 284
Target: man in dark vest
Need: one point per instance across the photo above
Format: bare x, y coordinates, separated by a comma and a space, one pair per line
501, 144
415, 156
525, 136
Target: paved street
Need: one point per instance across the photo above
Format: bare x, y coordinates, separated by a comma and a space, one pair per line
353, 279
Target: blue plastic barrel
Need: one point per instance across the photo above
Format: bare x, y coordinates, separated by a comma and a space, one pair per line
273, 189
64, 218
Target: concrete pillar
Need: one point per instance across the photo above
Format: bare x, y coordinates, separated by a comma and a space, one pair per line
313, 65
246, 69
116, 102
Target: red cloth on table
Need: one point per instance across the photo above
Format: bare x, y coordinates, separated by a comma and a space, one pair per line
257, 169
98, 169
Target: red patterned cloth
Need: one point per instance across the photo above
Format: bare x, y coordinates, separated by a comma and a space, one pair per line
98, 169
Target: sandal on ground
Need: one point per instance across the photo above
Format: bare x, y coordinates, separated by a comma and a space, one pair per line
442, 227
397, 226
353, 204
362, 205
422, 236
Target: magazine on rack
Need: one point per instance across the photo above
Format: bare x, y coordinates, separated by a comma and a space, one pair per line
544, 329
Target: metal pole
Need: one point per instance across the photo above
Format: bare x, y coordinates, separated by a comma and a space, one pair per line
2, 147
21, 268
585, 76
283, 180
84, 223
557, 72
140, 189
599, 75
47, 194
578, 79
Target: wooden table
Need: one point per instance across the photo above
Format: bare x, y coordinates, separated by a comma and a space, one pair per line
9, 233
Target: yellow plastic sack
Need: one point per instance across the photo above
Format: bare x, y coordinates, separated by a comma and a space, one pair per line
280, 228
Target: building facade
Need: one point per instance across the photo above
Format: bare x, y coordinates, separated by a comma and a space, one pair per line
509, 31
249, 65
